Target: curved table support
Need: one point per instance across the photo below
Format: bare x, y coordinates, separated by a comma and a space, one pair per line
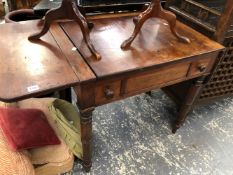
68, 10
154, 10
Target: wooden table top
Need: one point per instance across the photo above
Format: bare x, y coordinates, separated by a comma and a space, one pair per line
154, 46
28, 68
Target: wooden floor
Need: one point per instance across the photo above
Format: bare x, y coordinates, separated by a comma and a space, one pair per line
134, 136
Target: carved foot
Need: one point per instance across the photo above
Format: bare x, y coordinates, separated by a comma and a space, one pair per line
154, 10
44, 30
175, 127
97, 55
126, 44
171, 19
34, 37
183, 39
68, 10
87, 167
49, 17
138, 21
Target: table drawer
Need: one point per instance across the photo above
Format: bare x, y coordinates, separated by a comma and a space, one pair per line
153, 79
107, 92
199, 67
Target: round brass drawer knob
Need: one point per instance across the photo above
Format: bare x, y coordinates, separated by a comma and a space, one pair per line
109, 93
201, 68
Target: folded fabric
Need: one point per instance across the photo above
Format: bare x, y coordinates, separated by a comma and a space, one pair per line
26, 128
67, 120
13, 162
55, 168
63, 117
54, 159
47, 160
8, 105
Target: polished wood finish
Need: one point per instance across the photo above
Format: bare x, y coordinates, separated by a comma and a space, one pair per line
158, 77
67, 10
215, 20
53, 63
118, 75
130, 84
198, 67
75, 60
154, 10
150, 63
33, 69
151, 49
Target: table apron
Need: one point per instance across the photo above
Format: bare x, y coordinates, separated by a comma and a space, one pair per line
109, 90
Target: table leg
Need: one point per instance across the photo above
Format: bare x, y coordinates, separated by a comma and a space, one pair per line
149, 93
187, 105
86, 137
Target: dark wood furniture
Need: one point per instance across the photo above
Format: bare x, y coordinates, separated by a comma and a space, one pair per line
154, 60
154, 10
30, 69
105, 6
21, 4
95, 6
67, 10
214, 18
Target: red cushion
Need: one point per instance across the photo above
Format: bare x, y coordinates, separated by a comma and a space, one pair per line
26, 128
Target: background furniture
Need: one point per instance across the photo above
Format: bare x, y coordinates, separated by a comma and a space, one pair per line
214, 18
89, 5
95, 6
21, 4
100, 6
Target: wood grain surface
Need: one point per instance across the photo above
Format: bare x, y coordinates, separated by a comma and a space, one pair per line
154, 46
30, 69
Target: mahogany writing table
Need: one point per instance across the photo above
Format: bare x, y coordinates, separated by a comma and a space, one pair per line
156, 59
